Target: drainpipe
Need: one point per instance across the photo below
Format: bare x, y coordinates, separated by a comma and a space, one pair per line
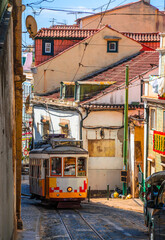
146, 118
81, 122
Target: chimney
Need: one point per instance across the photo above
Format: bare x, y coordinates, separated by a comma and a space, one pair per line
147, 1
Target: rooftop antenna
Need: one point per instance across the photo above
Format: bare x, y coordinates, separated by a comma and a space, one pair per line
53, 21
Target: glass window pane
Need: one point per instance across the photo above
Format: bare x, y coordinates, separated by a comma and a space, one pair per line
56, 166
164, 121
152, 118
48, 47
81, 166
69, 166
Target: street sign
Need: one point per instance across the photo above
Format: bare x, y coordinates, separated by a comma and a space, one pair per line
124, 176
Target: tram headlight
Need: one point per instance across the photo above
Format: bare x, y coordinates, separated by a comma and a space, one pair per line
69, 189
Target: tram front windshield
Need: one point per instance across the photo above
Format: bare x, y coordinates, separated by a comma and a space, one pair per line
69, 166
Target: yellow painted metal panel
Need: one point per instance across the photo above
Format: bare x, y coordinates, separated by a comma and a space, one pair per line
52, 182
101, 148
68, 195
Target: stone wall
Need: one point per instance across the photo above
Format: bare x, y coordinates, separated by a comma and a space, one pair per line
7, 103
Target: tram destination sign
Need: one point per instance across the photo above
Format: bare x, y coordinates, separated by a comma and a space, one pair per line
159, 142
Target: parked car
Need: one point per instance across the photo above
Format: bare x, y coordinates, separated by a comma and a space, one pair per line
154, 207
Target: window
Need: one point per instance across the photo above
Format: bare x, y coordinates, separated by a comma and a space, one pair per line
45, 127
164, 121
64, 124
56, 166
153, 119
69, 166
81, 166
112, 46
47, 47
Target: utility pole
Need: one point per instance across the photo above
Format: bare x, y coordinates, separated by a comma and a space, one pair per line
125, 127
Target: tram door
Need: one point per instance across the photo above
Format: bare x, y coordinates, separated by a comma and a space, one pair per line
46, 165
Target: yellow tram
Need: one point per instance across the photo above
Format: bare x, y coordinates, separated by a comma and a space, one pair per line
58, 171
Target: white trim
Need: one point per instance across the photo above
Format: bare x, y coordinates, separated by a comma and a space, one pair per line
150, 159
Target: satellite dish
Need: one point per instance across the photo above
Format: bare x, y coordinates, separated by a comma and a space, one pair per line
31, 26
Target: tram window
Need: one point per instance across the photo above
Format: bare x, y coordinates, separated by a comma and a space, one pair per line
69, 166
81, 166
32, 170
38, 171
56, 166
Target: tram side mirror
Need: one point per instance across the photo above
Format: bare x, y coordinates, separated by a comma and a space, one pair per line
151, 204
140, 177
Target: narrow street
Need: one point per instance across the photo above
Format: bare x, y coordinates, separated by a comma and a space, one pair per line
91, 221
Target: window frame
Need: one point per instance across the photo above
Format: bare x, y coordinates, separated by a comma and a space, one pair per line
64, 167
85, 158
108, 46
163, 121
55, 175
51, 53
151, 120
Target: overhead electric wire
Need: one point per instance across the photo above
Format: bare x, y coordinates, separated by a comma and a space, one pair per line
88, 44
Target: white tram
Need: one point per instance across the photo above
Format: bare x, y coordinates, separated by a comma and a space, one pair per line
58, 171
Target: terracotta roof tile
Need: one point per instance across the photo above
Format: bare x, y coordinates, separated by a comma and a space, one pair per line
65, 33
138, 65
143, 37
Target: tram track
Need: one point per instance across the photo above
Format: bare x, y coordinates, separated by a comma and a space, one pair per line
66, 228
69, 229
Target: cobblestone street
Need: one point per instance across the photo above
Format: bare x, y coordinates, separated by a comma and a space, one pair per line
91, 221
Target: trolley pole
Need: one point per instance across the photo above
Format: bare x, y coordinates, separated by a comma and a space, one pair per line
125, 127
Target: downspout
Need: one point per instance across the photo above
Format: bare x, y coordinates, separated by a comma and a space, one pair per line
81, 122
146, 117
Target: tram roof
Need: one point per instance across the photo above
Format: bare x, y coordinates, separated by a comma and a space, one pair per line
64, 149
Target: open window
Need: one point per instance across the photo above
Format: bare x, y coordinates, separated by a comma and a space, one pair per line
56, 166
69, 166
81, 166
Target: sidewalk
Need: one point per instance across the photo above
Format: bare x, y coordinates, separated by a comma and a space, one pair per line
135, 205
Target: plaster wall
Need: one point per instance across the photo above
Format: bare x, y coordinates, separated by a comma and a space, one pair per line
7, 118
65, 66
55, 115
156, 165
143, 18
118, 96
104, 169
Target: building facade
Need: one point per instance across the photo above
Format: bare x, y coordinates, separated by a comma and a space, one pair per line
144, 18
11, 76
155, 116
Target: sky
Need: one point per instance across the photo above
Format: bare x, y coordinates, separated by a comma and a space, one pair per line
44, 18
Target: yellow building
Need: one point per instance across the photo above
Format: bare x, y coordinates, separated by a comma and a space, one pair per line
141, 14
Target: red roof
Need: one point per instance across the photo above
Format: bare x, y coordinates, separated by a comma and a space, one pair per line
143, 37
138, 65
53, 95
65, 33
65, 26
